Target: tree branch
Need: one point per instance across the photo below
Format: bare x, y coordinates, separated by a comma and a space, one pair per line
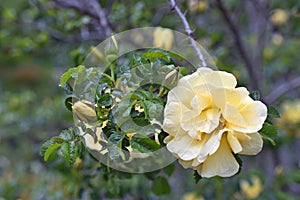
89, 7
189, 32
282, 89
252, 71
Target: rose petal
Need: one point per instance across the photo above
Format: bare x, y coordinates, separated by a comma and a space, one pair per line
209, 120
236, 96
220, 79
172, 118
211, 145
252, 146
232, 115
221, 163
186, 163
254, 113
182, 95
204, 70
234, 142
185, 147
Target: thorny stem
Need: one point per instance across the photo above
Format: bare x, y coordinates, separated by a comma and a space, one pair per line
189, 32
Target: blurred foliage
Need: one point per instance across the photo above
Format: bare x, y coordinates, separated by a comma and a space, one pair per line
38, 41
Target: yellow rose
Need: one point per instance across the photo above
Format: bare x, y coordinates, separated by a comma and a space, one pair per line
208, 119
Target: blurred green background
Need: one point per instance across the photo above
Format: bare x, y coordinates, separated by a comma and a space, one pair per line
257, 40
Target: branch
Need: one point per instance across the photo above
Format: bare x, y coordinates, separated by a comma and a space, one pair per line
189, 32
255, 81
282, 89
89, 7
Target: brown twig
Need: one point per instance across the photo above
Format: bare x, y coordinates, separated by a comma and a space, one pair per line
252, 70
189, 32
282, 89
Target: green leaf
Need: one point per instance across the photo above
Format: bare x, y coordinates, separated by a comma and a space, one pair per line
50, 150
173, 54
68, 151
169, 169
143, 144
153, 110
273, 112
105, 100
152, 175
255, 95
71, 73
160, 186
197, 176
155, 54
46, 145
69, 103
66, 134
269, 132
115, 146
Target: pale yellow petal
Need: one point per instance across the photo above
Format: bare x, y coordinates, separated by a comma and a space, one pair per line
192, 80
254, 113
204, 70
252, 146
233, 116
182, 95
235, 96
218, 95
221, 79
210, 146
234, 142
221, 163
172, 118
209, 120
185, 163
185, 147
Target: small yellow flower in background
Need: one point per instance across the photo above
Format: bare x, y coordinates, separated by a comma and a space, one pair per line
192, 196
290, 119
163, 38
291, 111
279, 170
208, 119
251, 191
268, 53
85, 111
197, 5
277, 39
279, 17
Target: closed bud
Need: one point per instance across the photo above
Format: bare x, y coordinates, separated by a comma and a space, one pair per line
85, 111
171, 78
